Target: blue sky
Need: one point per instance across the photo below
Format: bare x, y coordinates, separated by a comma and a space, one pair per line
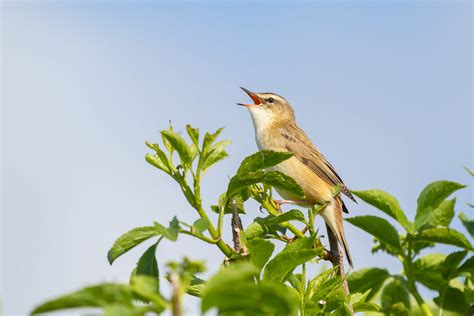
383, 89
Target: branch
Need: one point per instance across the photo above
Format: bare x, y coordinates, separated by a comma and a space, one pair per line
226, 250
407, 266
236, 229
200, 236
337, 260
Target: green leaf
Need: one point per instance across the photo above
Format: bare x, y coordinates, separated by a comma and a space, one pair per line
196, 288
284, 217
233, 289
215, 153
379, 228
180, 145
427, 270
366, 307
452, 299
325, 292
129, 240
273, 178
435, 193
122, 310
467, 266
270, 224
228, 207
262, 159
294, 254
193, 134
209, 139
386, 203
94, 296
171, 232
260, 251
393, 294
147, 289
367, 279
201, 225
468, 223
194, 151
255, 229
469, 171
147, 264
322, 285
294, 280
449, 267
166, 143
443, 235
160, 160
155, 160
440, 216
359, 297
360, 304
343, 309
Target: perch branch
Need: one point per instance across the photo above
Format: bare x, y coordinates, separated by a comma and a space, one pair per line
237, 228
337, 260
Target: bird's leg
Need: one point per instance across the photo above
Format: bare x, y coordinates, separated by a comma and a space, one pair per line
280, 202
292, 239
279, 210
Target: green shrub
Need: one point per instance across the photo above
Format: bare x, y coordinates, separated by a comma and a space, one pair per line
254, 279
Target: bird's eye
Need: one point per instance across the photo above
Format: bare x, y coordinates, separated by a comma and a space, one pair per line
270, 100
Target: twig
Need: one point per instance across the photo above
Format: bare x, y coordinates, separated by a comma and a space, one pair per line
200, 236
197, 204
337, 260
236, 229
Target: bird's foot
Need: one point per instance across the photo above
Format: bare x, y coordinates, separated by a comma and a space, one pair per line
331, 256
278, 203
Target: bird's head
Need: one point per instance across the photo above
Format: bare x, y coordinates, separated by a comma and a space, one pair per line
268, 107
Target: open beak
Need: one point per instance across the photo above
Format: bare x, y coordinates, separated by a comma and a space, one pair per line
253, 96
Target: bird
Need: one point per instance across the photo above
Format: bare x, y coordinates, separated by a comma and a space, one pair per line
275, 127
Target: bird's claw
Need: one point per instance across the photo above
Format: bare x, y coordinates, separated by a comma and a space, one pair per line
331, 256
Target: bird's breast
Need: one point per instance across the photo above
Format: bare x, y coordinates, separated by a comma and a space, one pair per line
316, 189
268, 137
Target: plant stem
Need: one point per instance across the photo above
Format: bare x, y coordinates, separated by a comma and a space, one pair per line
226, 250
423, 306
220, 221
199, 236
311, 220
442, 297
407, 266
176, 299
303, 289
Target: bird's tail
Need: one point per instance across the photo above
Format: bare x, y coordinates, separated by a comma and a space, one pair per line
332, 215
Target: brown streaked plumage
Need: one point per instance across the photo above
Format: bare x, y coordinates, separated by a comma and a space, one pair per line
276, 129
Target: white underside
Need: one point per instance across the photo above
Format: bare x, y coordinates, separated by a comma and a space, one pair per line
261, 119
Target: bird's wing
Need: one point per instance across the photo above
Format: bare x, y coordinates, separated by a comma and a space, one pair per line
296, 141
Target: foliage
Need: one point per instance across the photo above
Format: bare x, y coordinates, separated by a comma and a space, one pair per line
449, 275
254, 279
